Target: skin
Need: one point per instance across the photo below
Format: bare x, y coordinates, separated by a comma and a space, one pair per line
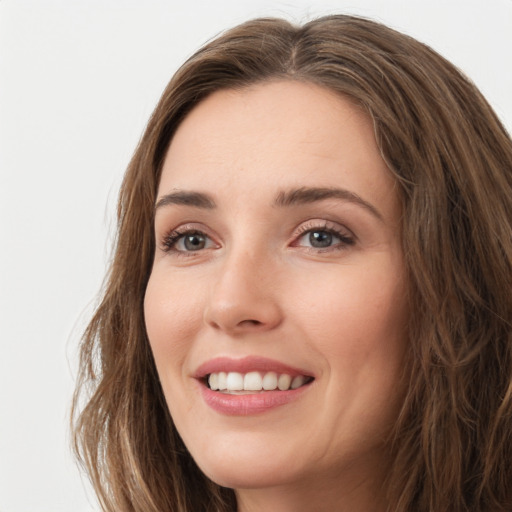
259, 287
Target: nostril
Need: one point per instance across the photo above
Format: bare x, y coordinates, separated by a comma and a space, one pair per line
250, 323
242, 314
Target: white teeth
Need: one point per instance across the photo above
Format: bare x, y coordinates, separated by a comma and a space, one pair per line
298, 381
213, 381
223, 381
235, 381
254, 381
284, 381
270, 381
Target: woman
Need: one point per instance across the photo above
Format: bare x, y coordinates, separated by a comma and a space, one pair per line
308, 306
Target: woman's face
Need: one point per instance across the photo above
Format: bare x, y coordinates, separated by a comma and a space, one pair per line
278, 263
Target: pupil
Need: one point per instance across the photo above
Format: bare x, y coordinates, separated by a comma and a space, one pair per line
320, 239
194, 242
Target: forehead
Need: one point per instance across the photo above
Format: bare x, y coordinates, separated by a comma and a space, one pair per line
276, 135
270, 116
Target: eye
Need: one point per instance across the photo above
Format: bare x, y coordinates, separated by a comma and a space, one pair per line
324, 238
321, 239
187, 241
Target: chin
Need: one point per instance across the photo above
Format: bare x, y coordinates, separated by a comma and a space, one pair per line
249, 477
249, 471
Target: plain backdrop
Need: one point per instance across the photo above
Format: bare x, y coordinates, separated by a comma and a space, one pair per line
78, 81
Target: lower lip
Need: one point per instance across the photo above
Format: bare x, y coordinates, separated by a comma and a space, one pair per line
245, 405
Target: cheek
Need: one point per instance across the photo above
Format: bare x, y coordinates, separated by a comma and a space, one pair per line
171, 318
358, 303
358, 322
359, 326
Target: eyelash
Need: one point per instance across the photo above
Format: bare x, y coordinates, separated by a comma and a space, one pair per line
346, 239
171, 239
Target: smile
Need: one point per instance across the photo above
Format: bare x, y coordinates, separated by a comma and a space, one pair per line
251, 385
239, 383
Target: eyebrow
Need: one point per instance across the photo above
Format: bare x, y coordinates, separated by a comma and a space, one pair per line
306, 195
293, 197
186, 198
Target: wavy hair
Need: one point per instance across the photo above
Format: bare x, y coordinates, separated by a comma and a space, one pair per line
452, 161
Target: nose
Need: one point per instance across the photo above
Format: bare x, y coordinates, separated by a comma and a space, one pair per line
244, 297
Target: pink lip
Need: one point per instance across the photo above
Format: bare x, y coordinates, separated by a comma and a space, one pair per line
255, 403
246, 364
245, 405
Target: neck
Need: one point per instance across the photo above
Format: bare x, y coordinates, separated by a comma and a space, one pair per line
325, 494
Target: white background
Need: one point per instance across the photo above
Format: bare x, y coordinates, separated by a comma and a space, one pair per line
78, 81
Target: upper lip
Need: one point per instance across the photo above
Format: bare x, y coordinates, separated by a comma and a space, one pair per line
245, 365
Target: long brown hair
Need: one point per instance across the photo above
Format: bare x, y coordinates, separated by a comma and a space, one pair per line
452, 159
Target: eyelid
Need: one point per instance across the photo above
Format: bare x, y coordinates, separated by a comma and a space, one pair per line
170, 237
339, 230
322, 224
